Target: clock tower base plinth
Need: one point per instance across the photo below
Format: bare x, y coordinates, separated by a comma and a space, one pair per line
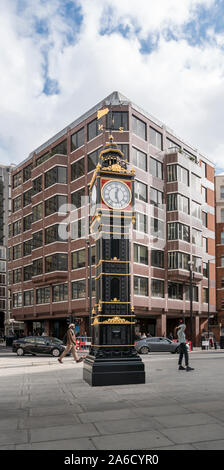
113, 371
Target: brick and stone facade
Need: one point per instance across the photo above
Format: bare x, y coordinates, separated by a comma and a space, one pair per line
175, 224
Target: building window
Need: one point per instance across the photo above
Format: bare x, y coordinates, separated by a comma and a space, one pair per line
77, 139
56, 262
177, 173
155, 138
43, 295
3, 266
37, 185
141, 191
2, 292
139, 159
3, 279
58, 174
17, 251
141, 222
27, 272
196, 237
222, 238
205, 295
119, 121
92, 129
27, 172
157, 258
157, 228
93, 255
93, 159
205, 244
222, 283
78, 198
204, 219
17, 179
28, 298
178, 231
222, 215
17, 275
140, 254
196, 182
77, 169
124, 148
17, 227
178, 260
175, 291
27, 222
194, 293
27, 247
37, 266
204, 193
203, 169
222, 192
141, 286
17, 299
177, 202
78, 229
171, 144
17, 203
60, 293
10, 254
78, 259
38, 212
156, 168
37, 239
54, 234
56, 203
205, 269
156, 197
93, 287
157, 288
59, 149
195, 209
79, 289
139, 128
197, 266
27, 198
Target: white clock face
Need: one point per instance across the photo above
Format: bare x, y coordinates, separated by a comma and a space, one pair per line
116, 194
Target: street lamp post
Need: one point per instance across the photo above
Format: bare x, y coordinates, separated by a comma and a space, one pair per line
90, 283
190, 263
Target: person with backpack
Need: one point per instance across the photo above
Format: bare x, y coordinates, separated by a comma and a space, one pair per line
70, 345
183, 348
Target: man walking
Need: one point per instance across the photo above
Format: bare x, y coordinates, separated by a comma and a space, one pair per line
183, 348
70, 346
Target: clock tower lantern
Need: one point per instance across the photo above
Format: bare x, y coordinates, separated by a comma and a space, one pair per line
113, 359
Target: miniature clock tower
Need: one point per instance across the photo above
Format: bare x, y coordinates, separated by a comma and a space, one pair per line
113, 359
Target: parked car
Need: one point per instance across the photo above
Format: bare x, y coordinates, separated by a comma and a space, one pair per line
38, 345
157, 344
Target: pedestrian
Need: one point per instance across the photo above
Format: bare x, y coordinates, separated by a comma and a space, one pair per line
70, 346
170, 336
44, 333
183, 348
143, 336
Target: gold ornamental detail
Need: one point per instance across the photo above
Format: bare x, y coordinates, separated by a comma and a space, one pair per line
117, 321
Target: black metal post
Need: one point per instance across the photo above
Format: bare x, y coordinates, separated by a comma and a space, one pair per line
208, 302
191, 307
90, 284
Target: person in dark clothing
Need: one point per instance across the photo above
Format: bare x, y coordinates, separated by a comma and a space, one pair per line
183, 348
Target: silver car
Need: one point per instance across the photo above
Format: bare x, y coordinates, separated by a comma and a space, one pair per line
157, 344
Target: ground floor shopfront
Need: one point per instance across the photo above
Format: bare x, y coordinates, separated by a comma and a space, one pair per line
155, 323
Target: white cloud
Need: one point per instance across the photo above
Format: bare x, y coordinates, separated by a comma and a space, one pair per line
180, 84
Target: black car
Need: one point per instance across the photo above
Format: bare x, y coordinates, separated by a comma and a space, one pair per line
38, 345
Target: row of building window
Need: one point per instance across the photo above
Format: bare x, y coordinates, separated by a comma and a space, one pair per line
59, 293
59, 262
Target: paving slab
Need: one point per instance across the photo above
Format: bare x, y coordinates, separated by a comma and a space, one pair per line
53, 410
68, 444
63, 432
135, 440
191, 434
189, 419
48, 421
127, 425
12, 436
209, 445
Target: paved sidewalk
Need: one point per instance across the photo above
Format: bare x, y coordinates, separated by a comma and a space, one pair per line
48, 406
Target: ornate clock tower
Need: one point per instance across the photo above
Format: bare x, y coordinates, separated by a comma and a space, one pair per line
113, 359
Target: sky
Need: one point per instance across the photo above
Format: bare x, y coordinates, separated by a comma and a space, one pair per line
58, 58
